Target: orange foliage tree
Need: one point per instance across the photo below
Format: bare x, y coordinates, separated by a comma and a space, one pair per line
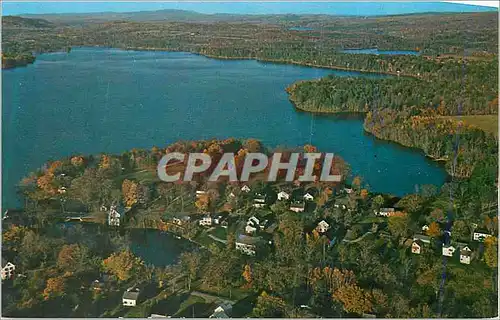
130, 192
55, 287
124, 265
354, 299
434, 230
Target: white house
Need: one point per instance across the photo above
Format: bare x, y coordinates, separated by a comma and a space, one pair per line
206, 221
384, 212
224, 310
297, 206
448, 250
155, 315
283, 196
8, 269
308, 197
246, 248
253, 220
252, 225
465, 255
259, 201
245, 188
130, 297
322, 226
247, 244
114, 217
480, 235
250, 229
416, 247
200, 193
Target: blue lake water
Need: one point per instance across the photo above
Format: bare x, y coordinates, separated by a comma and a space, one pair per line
385, 52
300, 29
105, 100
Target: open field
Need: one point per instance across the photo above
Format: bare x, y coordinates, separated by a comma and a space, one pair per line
488, 123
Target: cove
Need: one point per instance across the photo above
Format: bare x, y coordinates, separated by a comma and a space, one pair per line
95, 100
154, 247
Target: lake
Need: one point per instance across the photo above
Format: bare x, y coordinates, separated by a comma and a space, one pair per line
383, 52
94, 100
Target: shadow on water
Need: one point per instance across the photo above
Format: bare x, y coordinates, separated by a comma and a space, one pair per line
156, 247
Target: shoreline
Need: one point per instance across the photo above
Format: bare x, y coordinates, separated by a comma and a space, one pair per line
268, 60
440, 161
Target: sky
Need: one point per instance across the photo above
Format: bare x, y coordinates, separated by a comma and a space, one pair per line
338, 8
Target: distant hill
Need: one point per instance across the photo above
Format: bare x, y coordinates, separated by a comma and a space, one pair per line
173, 15
20, 22
139, 16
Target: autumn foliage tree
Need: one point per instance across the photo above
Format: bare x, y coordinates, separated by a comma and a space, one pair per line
247, 275
354, 299
124, 265
55, 287
130, 191
13, 237
434, 230
269, 306
491, 252
73, 257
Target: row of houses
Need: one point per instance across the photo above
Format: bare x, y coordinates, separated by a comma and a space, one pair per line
209, 220
448, 250
389, 212
295, 206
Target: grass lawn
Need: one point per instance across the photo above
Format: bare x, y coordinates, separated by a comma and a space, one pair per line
205, 240
242, 308
233, 294
220, 233
487, 123
194, 305
372, 219
142, 175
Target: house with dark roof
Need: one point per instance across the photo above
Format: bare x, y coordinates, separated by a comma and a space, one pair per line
480, 235
248, 244
223, 310
259, 200
131, 297
8, 269
297, 206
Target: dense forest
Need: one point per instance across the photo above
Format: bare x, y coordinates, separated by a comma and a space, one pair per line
409, 111
370, 272
16, 60
269, 38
